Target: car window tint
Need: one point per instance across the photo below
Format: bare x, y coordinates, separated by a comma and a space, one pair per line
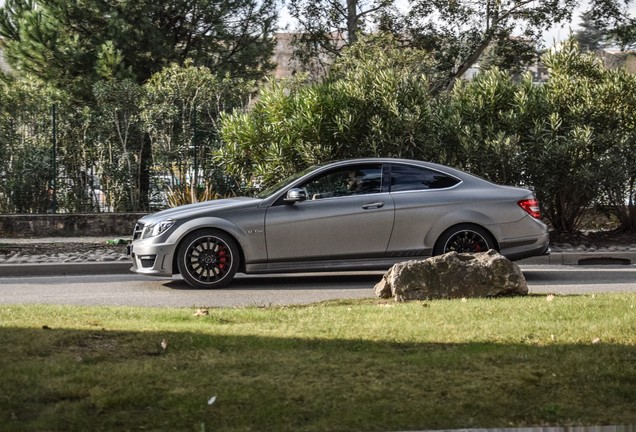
409, 178
353, 180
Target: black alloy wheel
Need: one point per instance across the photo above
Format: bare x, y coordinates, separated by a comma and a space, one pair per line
464, 238
208, 259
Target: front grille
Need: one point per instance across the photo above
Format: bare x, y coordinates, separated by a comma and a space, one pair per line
139, 228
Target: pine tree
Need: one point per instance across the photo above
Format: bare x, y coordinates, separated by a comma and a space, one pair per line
72, 44
590, 37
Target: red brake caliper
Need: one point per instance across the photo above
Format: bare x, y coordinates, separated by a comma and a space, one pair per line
222, 259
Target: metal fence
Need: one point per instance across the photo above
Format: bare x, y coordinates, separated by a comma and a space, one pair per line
47, 166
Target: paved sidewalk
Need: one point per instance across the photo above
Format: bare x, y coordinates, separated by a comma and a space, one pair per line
107, 261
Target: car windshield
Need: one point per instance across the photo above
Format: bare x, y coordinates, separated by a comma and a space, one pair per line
283, 183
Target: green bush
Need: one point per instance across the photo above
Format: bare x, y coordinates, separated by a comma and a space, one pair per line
486, 117
572, 138
563, 138
376, 102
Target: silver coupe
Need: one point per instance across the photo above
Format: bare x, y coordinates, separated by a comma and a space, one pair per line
359, 214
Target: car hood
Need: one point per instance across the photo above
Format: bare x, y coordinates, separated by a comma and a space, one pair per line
202, 209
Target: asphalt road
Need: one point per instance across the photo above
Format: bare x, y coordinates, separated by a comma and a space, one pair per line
135, 290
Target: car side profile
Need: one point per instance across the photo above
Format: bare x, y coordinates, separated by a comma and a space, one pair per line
360, 214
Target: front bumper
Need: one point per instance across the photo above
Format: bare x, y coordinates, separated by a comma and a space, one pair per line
152, 259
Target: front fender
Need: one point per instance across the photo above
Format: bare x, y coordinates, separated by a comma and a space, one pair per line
249, 236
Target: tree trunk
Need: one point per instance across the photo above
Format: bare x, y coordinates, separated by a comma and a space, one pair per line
470, 61
352, 21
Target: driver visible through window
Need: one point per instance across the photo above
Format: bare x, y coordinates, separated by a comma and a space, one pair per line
351, 180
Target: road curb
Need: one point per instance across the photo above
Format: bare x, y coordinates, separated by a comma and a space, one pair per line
64, 269
578, 258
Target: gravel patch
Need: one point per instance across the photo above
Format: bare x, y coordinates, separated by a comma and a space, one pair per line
61, 252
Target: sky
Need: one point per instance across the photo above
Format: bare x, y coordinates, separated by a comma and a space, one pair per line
561, 32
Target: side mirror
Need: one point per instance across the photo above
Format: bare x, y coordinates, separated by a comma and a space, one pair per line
295, 195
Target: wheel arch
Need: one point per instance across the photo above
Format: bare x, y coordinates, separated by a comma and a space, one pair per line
458, 216
464, 225
198, 227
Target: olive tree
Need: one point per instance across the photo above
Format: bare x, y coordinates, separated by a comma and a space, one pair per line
120, 143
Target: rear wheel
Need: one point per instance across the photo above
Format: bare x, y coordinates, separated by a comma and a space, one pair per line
208, 259
464, 238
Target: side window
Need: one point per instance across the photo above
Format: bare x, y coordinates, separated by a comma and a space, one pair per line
352, 180
411, 178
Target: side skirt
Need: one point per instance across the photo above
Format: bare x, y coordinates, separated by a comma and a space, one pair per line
329, 265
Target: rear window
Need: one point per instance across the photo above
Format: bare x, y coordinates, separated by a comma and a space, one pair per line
412, 178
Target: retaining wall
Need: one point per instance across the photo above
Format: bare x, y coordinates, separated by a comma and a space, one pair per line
68, 225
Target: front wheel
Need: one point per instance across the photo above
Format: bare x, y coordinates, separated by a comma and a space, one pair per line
208, 259
464, 238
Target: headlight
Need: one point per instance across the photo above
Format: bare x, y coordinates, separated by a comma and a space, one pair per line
154, 230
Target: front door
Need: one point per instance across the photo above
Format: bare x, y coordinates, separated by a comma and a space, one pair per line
345, 216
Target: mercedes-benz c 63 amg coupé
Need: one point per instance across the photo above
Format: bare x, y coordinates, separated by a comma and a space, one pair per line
361, 214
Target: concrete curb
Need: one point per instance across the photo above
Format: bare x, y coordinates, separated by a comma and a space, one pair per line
579, 258
65, 269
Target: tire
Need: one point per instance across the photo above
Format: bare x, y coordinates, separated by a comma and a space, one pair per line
208, 259
464, 238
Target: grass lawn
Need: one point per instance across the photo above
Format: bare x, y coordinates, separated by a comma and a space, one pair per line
368, 365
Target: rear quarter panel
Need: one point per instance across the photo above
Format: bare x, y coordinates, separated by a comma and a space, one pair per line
422, 216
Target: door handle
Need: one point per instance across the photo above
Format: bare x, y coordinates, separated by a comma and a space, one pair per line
373, 205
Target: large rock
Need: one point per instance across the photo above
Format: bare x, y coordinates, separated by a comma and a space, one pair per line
453, 275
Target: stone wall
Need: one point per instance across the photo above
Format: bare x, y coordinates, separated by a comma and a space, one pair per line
68, 225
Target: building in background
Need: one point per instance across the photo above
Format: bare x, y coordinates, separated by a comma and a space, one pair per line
4, 67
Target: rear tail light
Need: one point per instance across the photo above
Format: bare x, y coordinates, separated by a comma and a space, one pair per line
531, 206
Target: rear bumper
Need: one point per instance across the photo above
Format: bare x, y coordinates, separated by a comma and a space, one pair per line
532, 248
522, 255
